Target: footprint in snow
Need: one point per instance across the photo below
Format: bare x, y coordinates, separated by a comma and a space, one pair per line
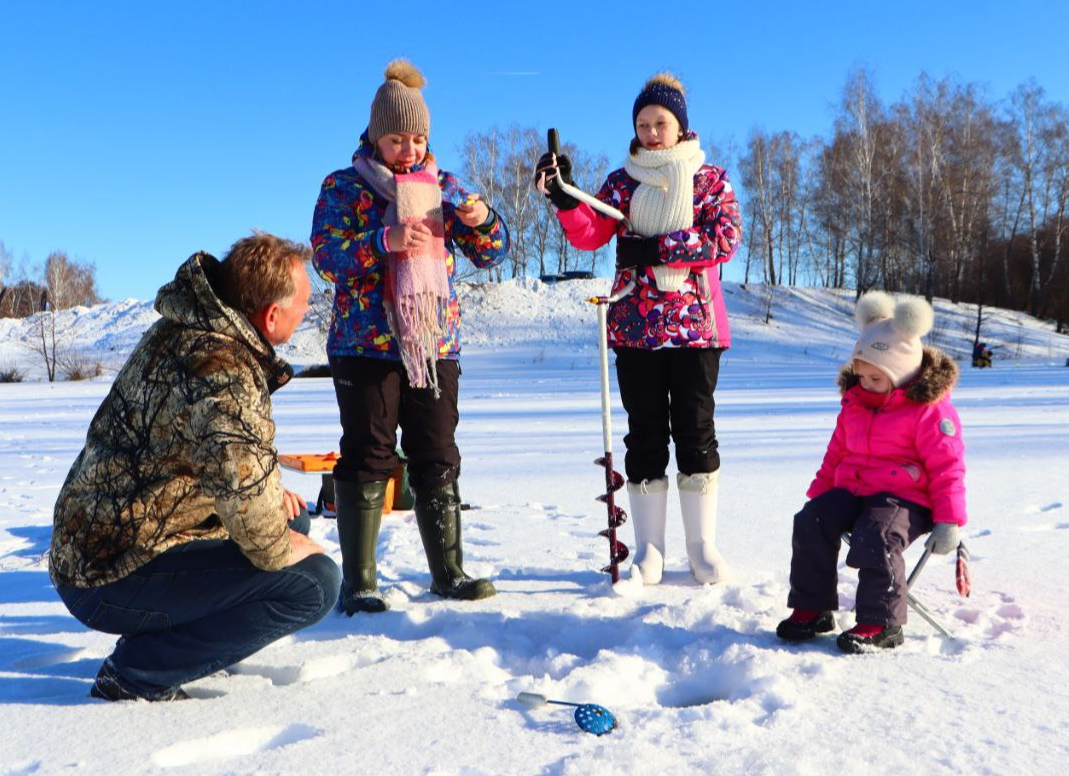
52, 659
283, 676
24, 768
1011, 612
1006, 618
997, 628
232, 743
1041, 527
1051, 507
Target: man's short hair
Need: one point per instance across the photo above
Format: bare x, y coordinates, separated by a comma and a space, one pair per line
258, 271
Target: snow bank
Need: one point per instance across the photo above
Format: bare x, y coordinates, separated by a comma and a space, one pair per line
807, 324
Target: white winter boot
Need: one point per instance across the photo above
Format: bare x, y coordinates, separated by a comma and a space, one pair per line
698, 502
649, 504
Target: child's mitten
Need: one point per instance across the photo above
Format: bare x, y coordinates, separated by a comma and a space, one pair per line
549, 167
637, 251
944, 538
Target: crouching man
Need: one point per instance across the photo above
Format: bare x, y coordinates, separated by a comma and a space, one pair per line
173, 528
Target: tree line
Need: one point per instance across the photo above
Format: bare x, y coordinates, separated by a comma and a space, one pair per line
946, 192
40, 291
500, 165
58, 284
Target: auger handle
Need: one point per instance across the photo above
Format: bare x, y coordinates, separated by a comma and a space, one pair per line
553, 141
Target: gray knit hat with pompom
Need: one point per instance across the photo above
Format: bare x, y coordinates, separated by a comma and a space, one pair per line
398, 105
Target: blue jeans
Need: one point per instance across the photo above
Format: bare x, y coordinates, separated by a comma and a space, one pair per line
199, 607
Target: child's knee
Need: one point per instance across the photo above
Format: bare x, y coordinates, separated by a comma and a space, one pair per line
826, 516
872, 543
810, 528
319, 597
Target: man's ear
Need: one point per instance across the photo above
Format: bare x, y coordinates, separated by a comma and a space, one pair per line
266, 320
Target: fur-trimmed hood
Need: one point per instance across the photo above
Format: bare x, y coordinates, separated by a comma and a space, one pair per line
938, 375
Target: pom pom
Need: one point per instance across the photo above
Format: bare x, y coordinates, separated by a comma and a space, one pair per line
874, 306
913, 317
404, 71
665, 79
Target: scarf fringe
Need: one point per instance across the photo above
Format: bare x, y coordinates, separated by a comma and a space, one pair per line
422, 316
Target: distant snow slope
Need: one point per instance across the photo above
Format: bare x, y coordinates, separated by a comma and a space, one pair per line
807, 324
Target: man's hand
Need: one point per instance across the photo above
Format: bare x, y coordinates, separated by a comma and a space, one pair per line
473, 212
409, 237
301, 547
292, 504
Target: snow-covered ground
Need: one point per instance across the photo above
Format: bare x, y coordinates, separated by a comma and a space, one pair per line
695, 675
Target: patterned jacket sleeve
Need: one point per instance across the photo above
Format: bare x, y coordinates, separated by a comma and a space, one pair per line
942, 454
825, 477
486, 245
716, 238
344, 250
236, 460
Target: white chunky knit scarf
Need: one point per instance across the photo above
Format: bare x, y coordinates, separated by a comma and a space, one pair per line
664, 199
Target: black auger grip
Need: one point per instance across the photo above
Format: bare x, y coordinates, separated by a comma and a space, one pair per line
553, 141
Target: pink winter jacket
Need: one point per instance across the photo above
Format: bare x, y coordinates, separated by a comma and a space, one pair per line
907, 443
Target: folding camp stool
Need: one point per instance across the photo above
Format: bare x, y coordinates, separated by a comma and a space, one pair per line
963, 584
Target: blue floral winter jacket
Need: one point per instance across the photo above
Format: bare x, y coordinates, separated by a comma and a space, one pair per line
347, 241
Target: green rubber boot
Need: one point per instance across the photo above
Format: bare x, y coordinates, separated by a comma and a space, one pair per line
438, 518
359, 509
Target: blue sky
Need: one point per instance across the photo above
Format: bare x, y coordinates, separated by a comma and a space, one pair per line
133, 134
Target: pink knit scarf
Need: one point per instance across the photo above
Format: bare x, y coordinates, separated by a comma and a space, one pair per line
417, 285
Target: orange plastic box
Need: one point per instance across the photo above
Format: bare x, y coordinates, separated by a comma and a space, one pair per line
317, 463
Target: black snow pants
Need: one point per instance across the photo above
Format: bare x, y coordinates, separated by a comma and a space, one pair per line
374, 397
668, 392
881, 527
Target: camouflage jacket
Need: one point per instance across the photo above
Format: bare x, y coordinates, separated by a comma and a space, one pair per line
182, 448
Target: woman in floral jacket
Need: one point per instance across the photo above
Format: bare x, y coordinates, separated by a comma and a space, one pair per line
385, 233
668, 325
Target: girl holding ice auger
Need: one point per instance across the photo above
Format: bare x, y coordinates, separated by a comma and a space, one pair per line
894, 469
668, 325
385, 233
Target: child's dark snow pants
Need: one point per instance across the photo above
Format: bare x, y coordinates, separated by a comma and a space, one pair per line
881, 528
374, 397
668, 393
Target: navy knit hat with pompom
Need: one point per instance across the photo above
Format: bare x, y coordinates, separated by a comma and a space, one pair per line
665, 90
